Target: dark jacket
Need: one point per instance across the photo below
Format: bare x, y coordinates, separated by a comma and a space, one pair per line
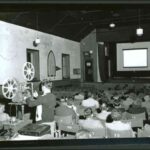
48, 103
135, 109
65, 111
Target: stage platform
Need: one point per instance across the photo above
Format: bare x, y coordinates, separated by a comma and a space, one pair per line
128, 80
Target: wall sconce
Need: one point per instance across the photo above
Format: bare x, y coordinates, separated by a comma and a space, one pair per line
112, 25
36, 42
139, 30
91, 52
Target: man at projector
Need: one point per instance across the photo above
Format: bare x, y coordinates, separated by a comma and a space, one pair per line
47, 100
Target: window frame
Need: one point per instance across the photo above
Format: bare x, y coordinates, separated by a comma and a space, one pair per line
28, 50
65, 55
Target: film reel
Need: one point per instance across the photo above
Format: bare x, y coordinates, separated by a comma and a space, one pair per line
9, 88
28, 71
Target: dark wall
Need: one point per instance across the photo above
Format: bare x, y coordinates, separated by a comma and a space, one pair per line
122, 34
115, 73
86, 45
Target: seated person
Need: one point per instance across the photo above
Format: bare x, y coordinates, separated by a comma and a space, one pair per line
70, 104
128, 101
117, 124
89, 122
147, 128
79, 96
136, 107
116, 102
108, 94
146, 103
140, 95
3, 116
104, 113
90, 102
65, 109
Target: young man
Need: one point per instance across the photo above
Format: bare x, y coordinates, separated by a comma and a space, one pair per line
47, 101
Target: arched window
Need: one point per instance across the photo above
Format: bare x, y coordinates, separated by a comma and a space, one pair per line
51, 64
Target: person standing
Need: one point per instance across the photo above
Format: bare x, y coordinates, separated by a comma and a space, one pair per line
47, 101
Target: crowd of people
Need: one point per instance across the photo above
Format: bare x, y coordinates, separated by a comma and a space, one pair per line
111, 109
97, 114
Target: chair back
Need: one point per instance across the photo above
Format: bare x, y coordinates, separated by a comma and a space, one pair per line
74, 128
98, 133
143, 133
67, 120
147, 106
119, 133
137, 119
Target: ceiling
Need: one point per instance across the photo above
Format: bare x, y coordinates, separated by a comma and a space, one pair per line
74, 22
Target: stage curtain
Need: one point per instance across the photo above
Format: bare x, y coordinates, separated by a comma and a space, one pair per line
102, 63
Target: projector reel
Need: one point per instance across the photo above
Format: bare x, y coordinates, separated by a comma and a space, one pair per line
9, 88
28, 71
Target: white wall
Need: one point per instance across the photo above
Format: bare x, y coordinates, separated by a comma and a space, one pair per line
14, 40
122, 46
87, 44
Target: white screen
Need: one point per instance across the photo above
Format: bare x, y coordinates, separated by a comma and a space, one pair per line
135, 58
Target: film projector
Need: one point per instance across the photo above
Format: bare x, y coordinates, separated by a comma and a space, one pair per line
15, 91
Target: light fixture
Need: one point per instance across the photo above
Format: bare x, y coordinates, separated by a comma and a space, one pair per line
112, 25
37, 41
139, 30
91, 52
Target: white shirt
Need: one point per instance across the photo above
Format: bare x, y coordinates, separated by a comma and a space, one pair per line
90, 124
39, 108
90, 102
79, 97
38, 113
118, 125
103, 115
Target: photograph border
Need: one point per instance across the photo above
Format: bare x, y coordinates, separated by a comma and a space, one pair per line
127, 143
